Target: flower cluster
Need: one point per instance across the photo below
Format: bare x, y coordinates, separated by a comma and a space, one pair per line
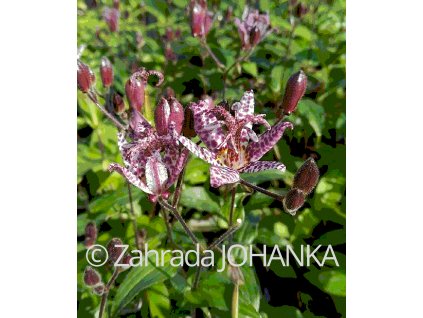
152, 157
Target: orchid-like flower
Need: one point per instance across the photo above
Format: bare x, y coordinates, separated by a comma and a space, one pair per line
152, 158
253, 27
232, 145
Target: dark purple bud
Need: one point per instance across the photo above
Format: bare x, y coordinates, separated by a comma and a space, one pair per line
114, 250
85, 77
293, 200
99, 290
307, 176
167, 111
111, 16
229, 13
91, 277
90, 234
118, 104
116, 4
294, 91
169, 54
106, 72
134, 90
169, 92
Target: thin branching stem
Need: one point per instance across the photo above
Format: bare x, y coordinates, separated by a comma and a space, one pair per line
260, 189
106, 292
105, 112
133, 217
176, 214
211, 54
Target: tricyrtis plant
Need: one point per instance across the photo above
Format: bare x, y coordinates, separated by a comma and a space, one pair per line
230, 137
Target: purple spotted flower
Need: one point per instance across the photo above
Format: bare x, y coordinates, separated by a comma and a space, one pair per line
253, 27
232, 145
152, 160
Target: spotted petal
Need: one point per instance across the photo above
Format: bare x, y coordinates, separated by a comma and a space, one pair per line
198, 151
263, 165
176, 168
267, 140
222, 175
155, 173
131, 177
246, 106
206, 125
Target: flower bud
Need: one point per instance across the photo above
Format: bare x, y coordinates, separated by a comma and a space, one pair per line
201, 19
113, 250
294, 91
91, 277
134, 90
111, 16
307, 176
90, 234
167, 111
293, 200
118, 104
106, 72
125, 263
99, 290
85, 77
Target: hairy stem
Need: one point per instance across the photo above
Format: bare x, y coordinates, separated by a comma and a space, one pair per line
260, 189
178, 189
106, 292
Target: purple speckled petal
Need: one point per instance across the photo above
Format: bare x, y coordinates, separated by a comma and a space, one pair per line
245, 106
132, 178
206, 125
267, 140
222, 175
175, 171
263, 165
198, 151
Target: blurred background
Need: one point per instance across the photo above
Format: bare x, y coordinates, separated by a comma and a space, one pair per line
308, 35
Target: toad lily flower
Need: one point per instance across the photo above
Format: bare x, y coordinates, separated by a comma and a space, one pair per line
144, 165
232, 145
253, 27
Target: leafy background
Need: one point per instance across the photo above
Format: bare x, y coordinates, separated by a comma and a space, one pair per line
317, 45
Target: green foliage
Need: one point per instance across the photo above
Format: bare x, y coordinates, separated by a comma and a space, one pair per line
314, 43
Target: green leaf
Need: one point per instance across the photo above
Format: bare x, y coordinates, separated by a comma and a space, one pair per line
314, 113
158, 301
141, 278
200, 199
276, 78
250, 68
331, 281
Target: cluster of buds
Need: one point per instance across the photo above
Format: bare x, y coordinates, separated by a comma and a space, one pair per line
201, 18
305, 180
111, 16
253, 28
93, 280
115, 250
294, 91
299, 9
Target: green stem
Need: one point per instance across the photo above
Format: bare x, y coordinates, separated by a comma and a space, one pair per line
260, 189
106, 292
